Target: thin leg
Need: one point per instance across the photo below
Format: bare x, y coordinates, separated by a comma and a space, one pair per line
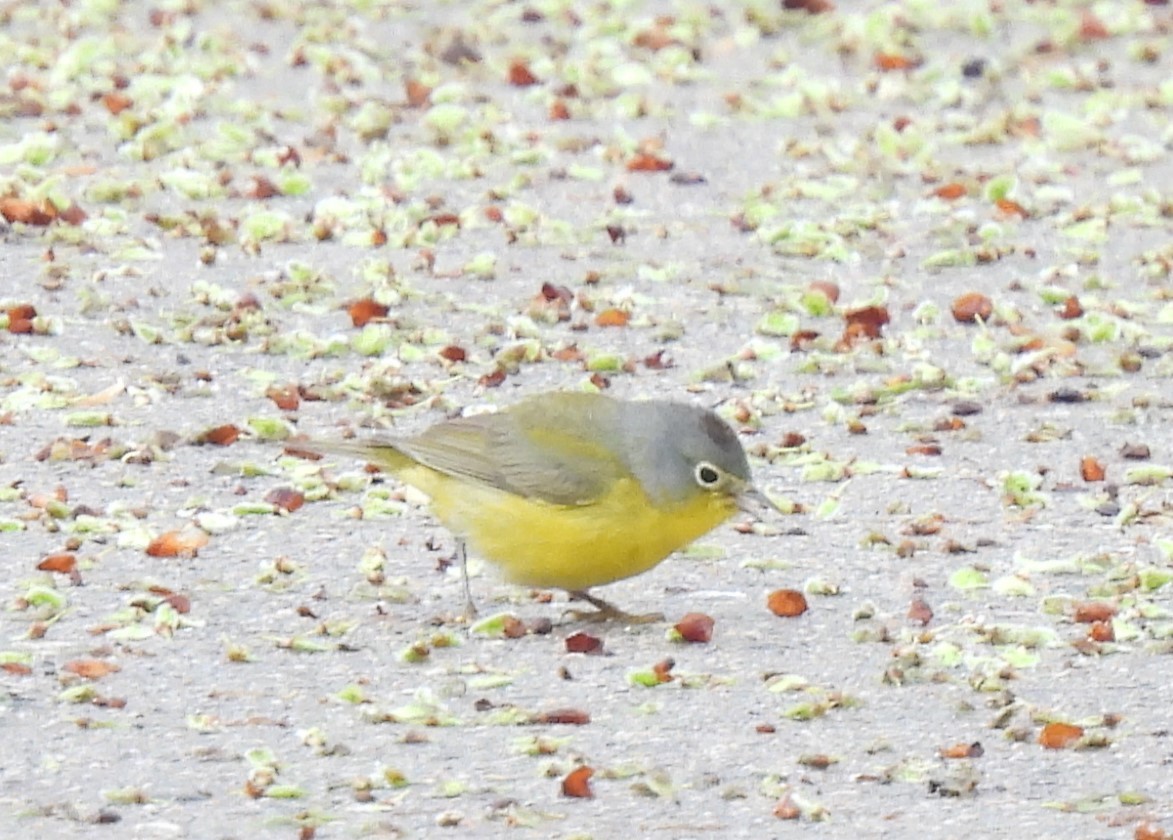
605, 611
470, 608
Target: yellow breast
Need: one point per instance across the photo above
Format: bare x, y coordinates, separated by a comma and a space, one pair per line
568, 547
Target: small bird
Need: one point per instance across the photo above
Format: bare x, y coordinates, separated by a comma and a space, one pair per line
573, 490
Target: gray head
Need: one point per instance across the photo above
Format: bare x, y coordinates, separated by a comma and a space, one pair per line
674, 449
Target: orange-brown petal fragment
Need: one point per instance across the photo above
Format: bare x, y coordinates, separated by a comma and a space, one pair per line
1011, 208
520, 75
786, 603
919, 612
828, 289
887, 62
27, 212
73, 215
558, 110
1057, 736
180, 603
696, 627
646, 162
949, 192
1149, 831
116, 102
1091, 28
365, 310
577, 783
785, 809
21, 312
567, 717
973, 750
583, 643
1091, 469
417, 93
285, 498
285, 397
811, 7
64, 563
91, 669
612, 318
1101, 631
225, 435
178, 544
513, 627
971, 306
1088, 612
570, 353
868, 320
1072, 308
453, 353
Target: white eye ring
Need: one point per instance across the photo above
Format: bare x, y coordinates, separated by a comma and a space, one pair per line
707, 475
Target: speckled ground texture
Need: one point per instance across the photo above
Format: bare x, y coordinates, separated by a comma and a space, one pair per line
686, 200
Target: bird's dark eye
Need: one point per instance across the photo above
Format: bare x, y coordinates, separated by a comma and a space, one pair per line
707, 475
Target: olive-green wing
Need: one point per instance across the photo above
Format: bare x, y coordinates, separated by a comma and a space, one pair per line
536, 454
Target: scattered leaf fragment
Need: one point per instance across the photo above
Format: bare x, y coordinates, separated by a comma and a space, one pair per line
577, 783
786, 603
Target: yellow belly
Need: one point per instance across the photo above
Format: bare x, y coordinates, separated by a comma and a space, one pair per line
567, 547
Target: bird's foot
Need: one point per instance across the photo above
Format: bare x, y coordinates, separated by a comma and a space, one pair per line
605, 611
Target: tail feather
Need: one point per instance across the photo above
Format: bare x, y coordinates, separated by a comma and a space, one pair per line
383, 452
